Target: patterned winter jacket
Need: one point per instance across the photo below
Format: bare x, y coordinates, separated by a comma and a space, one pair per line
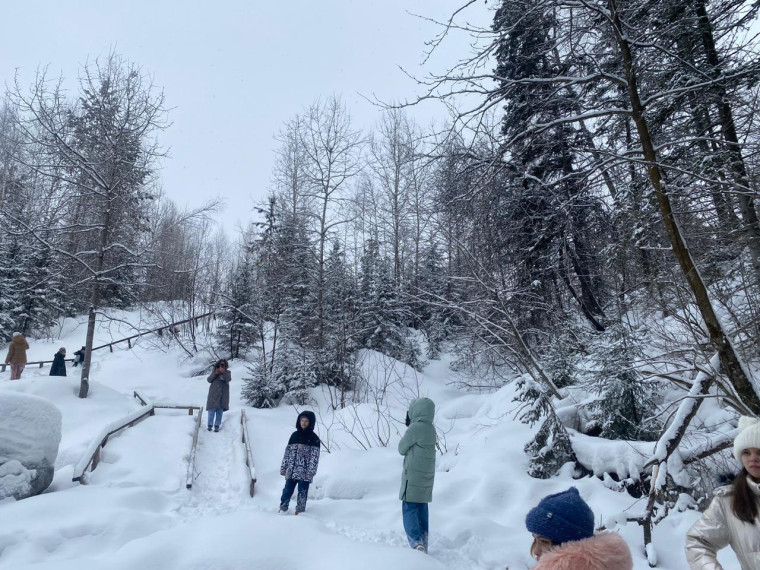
301, 457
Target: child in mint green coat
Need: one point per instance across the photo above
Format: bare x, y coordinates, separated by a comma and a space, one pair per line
418, 448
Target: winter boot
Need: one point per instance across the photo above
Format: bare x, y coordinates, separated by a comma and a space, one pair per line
216, 428
209, 428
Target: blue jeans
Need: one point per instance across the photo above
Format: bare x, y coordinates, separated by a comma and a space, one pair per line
287, 492
415, 516
215, 412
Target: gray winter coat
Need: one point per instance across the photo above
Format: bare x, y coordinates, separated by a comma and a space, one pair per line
719, 528
418, 448
219, 391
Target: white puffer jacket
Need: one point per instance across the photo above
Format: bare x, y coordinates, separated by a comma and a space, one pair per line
719, 528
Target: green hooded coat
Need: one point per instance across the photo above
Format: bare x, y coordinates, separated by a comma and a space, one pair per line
418, 448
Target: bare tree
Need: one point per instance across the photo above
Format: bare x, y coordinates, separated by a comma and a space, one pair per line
332, 149
100, 149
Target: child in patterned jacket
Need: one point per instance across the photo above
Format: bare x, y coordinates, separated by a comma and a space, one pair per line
300, 462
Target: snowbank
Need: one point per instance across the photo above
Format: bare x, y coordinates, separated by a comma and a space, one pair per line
30, 433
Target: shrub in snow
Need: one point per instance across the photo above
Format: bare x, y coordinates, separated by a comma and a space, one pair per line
30, 432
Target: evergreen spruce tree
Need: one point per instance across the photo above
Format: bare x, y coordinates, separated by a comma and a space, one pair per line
289, 376
433, 291
550, 449
625, 405
8, 288
337, 357
241, 311
381, 314
39, 294
550, 213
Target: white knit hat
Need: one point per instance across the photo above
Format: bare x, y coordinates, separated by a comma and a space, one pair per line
749, 436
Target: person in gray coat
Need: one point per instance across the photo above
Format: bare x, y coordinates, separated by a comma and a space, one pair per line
418, 448
218, 400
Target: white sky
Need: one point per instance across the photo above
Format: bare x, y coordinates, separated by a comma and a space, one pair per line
234, 71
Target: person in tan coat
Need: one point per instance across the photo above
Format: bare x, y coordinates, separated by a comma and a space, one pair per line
733, 517
17, 355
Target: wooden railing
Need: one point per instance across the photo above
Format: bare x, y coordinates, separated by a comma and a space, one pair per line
248, 454
128, 339
91, 457
40, 362
159, 331
191, 463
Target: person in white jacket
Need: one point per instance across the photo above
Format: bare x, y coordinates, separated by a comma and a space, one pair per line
733, 516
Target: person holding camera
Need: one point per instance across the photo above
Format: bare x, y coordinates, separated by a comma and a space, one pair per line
218, 400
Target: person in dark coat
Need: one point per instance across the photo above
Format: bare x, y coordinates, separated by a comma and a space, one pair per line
218, 400
79, 357
300, 462
59, 364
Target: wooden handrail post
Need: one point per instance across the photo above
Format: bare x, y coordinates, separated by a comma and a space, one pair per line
248, 454
193, 447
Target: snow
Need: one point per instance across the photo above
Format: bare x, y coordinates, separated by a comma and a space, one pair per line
38, 440
30, 431
135, 511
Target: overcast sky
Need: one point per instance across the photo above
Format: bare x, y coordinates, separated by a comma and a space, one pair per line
233, 71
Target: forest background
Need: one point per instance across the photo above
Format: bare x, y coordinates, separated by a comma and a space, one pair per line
583, 222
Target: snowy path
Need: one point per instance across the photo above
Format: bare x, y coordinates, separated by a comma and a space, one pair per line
220, 484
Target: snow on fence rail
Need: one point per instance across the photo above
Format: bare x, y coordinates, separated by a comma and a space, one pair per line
159, 331
191, 462
128, 340
248, 454
91, 457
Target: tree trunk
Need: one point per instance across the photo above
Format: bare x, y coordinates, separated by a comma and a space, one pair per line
728, 128
729, 359
84, 383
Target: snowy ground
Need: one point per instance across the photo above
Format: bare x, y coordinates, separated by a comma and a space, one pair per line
136, 512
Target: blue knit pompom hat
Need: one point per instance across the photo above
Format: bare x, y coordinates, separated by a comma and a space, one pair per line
561, 517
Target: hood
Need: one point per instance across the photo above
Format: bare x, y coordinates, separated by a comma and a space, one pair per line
20, 340
422, 410
603, 551
312, 421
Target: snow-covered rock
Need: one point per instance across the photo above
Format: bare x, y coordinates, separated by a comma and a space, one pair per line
30, 432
